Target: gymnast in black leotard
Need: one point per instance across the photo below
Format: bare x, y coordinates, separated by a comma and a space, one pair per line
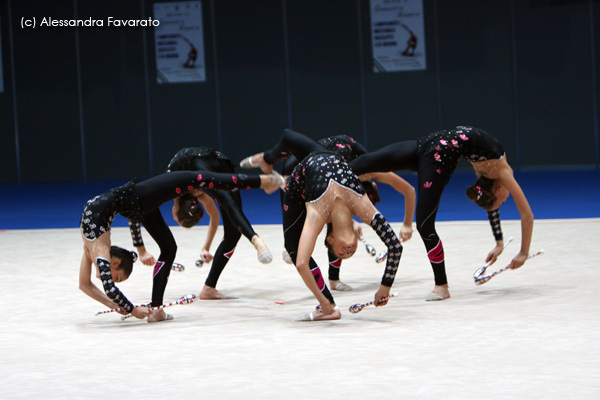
349, 149
140, 201
187, 211
322, 189
435, 158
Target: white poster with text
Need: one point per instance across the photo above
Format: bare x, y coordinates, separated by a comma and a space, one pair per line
398, 35
179, 42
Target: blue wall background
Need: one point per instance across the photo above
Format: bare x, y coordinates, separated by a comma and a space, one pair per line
551, 194
83, 105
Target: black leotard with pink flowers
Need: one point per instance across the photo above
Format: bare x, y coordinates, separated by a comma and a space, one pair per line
435, 158
140, 201
445, 148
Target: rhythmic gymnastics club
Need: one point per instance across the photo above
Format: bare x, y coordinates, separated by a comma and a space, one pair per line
358, 307
183, 300
383, 254
370, 249
481, 270
483, 279
177, 267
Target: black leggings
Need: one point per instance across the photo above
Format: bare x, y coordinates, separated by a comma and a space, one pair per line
231, 236
290, 140
159, 230
293, 223
235, 223
404, 156
162, 188
229, 202
297, 146
292, 143
158, 190
334, 266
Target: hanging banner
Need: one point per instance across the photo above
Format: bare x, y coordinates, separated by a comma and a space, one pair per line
179, 42
398, 35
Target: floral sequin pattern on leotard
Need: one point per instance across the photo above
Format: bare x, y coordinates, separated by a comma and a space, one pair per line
445, 148
321, 178
343, 145
182, 161
99, 212
97, 217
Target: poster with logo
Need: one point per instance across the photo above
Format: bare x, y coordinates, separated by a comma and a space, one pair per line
179, 42
398, 35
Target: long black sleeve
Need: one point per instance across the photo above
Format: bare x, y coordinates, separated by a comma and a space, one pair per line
389, 238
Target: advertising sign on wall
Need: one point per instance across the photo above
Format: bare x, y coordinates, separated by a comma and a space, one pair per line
398, 35
179, 42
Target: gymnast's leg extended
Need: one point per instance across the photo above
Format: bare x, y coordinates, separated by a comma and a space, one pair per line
162, 235
394, 157
159, 189
293, 223
223, 254
431, 186
290, 143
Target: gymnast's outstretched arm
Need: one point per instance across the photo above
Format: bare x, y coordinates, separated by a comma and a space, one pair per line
385, 232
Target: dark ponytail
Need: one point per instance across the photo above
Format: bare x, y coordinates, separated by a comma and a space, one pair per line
371, 190
190, 211
482, 193
329, 230
127, 258
330, 252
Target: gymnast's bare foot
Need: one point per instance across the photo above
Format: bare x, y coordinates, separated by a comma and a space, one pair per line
286, 257
440, 292
339, 285
257, 161
262, 251
210, 293
318, 315
272, 182
159, 315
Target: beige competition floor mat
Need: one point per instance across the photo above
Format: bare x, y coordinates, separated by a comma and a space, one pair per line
532, 333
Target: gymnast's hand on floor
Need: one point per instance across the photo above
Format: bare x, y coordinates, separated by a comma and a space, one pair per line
206, 256
382, 296
519, 260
